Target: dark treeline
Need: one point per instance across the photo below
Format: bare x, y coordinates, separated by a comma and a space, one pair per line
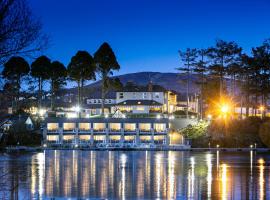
225, 72
22, 39
82, 67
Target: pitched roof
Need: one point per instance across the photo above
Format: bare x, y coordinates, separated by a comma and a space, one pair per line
140, 102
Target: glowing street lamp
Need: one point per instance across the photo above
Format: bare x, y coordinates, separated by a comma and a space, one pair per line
262, 109
77, 108
224, 109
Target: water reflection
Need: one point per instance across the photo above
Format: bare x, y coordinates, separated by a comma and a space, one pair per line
131, 175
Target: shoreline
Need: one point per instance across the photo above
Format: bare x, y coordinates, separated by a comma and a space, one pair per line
169, 148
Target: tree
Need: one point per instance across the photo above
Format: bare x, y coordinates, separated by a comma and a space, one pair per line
222, 55
188, 58
81, 68
14, 70
57, 76
106, 63
20, 32
261, 59
40, 70
200, 68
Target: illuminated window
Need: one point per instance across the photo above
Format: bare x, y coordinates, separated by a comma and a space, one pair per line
68, 137
99, 126
145, 127
115, 138
52, 126
159, 127
84, 126
145, 138
130, 126
115, 126
85, 137
158, 137
99, 138
52, 137
140, 108
129, 138
69, 126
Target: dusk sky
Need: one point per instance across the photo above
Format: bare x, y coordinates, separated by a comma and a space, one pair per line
147, 34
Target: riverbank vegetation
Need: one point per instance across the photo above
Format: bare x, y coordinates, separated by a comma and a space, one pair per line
236, 133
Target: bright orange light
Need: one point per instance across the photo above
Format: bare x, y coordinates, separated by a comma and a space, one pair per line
225, 109
261, 108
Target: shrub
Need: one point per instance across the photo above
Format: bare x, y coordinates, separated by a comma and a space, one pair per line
265, 133
195, 131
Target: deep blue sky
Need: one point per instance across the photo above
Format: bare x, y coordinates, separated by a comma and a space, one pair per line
146, 34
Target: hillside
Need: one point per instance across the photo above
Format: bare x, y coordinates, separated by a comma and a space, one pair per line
170, 81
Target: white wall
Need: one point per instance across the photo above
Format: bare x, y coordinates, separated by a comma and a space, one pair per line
156, 96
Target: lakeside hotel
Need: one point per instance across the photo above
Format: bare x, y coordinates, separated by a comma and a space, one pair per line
109, 131
132, 118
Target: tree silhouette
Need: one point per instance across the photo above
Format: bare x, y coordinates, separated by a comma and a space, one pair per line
20, 31
40, 70
57, 76
200, 68
81, 68
188, 58
14, 70
106, 63
222, 55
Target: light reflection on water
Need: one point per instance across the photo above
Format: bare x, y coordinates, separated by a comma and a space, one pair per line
134, 175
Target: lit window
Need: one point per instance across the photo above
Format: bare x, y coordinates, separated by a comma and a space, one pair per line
84, 126
140, 108
115, 126
68, 126
99, 126
130, 126
159, 127
145, 127
52, 137
52, 126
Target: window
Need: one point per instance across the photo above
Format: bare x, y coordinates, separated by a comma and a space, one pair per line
99, 126
115, 126
144, 95
52, 137
110, 101
130, 126
69, 126
157, 95
159, 127
52, 126
121, 95
68, 137
145, 127
84, 126
140, 108
95, 101
84, 137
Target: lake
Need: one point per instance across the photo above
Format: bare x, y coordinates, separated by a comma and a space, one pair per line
62, 174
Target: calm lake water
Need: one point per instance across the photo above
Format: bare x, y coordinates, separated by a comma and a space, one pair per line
65, 174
